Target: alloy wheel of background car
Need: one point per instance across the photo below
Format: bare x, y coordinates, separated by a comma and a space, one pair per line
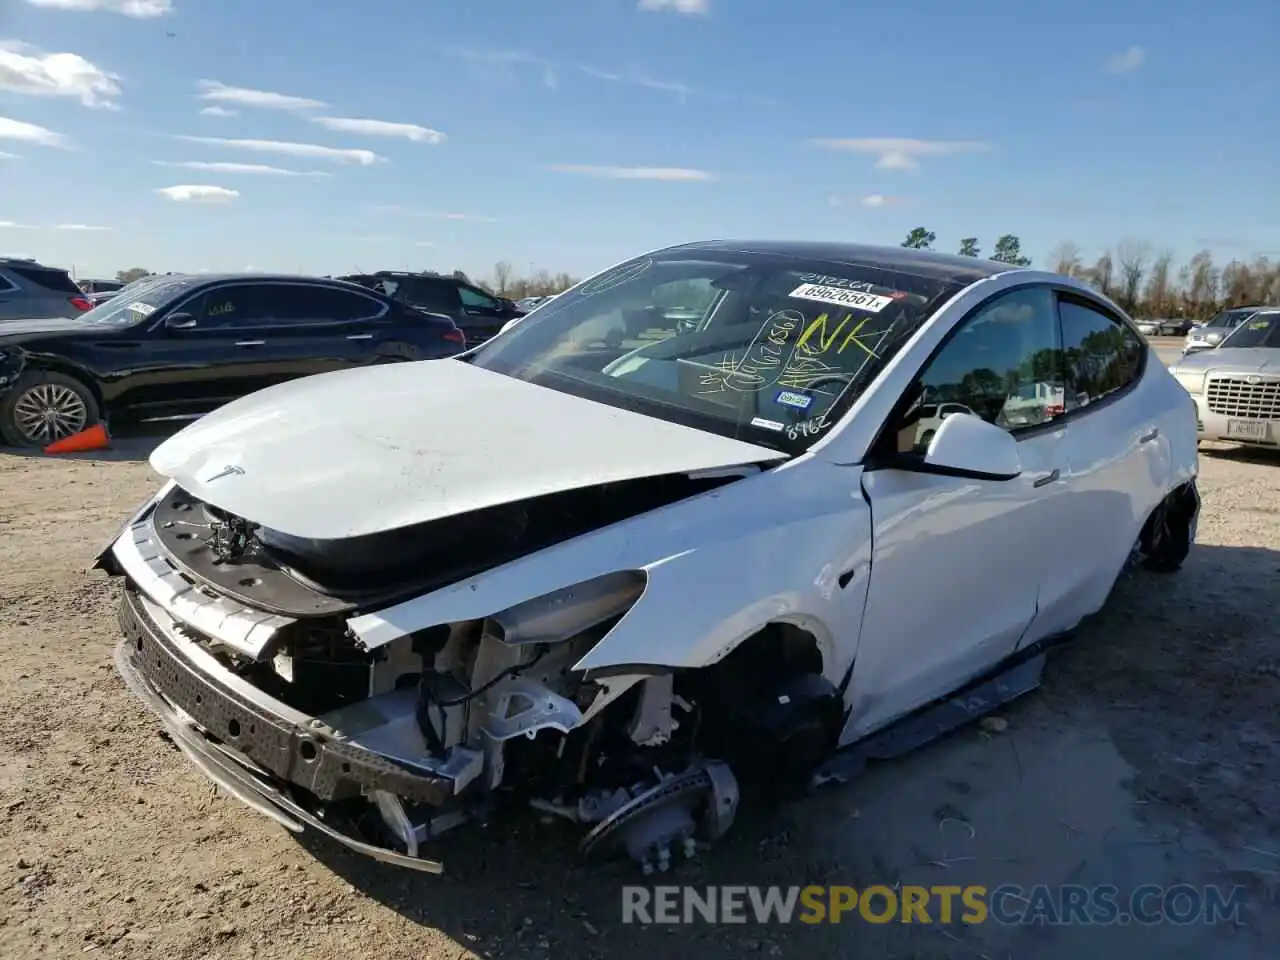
46, 407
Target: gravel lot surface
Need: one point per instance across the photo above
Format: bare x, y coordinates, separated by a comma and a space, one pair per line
1149, 756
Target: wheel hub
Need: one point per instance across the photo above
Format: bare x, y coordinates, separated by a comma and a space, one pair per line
48, 412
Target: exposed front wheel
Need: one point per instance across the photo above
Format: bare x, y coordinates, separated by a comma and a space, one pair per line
45, 406
1166, 538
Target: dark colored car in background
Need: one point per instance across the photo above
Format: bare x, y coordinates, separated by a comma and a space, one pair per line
478, 314
179, 346
32, 291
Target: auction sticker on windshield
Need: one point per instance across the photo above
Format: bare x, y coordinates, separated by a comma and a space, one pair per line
855, 299
145, 309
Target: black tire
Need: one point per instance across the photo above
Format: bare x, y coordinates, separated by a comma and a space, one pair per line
1166, 537
12, 405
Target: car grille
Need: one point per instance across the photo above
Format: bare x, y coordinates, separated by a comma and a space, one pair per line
1237, 397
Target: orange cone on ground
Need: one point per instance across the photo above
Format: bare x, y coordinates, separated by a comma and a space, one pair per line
94, 438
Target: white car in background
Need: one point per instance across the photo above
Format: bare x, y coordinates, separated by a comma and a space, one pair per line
619, 576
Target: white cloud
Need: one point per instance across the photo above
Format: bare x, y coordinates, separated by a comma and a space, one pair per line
216, 111
434, 214
216, 92
82, 228
10, 225
688, 8
8, 156
252, 168
314, 151
423, 243
26, 70
198, 193
30, 133
899, 153
380, 128
873, 200
1127, 61
138, 9
681, 174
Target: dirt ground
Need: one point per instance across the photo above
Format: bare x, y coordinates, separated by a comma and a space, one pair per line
1149, 756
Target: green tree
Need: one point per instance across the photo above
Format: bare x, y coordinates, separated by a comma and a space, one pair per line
132, 274
1009, 250
920, 239
969, 247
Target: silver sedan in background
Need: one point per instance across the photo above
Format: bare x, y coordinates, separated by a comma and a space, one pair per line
1211, 334
1236, 387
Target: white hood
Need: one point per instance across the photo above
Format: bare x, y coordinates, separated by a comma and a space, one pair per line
362, 451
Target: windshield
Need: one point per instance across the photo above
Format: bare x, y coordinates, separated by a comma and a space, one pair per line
1260, 330
763, 348
1230, 319
137, 302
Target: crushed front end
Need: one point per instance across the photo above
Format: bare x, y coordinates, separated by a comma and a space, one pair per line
239, 639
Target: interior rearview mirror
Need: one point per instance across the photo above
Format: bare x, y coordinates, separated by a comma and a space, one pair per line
968, 446
179, 321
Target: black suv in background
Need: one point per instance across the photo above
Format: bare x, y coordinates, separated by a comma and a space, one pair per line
32, 291
478, 314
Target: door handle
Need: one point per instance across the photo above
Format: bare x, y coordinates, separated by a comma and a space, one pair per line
360, 336
1148, 437
1047, 479
250, 343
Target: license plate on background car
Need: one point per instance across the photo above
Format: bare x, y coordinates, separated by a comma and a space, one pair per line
1250, 429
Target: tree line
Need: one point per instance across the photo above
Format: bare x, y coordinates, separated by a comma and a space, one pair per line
1144, 280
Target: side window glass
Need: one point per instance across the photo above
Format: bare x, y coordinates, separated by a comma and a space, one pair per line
474, 298
1101, 355
433, 295
1003, 365
338, 306
240, 306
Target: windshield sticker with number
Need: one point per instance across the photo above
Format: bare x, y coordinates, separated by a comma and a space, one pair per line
842, 296
145, 309
789, 398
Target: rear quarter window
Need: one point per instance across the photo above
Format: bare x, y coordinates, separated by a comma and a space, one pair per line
57, 281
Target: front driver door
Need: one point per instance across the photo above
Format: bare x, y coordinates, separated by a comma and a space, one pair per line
957, 563
482, 315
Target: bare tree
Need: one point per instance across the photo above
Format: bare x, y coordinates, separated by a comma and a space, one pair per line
502, 271
1102, 274
1131, 256
1157, 299
1065, 258
1200, 288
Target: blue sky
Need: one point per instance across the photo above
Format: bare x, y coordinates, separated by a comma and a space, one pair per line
569, 134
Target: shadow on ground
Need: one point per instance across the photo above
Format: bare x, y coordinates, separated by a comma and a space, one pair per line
1242, 453
1149, 757
132, 443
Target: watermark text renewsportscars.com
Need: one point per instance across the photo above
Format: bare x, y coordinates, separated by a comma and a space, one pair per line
1043, 905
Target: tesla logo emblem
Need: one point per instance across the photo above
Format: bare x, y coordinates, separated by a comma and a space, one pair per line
1255, 379
225, 472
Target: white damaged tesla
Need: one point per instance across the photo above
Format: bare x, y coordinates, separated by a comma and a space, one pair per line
693, 526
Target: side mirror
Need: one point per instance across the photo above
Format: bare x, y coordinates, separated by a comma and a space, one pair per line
968, 446
179, 321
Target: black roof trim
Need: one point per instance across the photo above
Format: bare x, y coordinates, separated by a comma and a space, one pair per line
923, 263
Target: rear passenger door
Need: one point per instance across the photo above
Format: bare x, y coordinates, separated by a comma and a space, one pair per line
291, 330
1115, 456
